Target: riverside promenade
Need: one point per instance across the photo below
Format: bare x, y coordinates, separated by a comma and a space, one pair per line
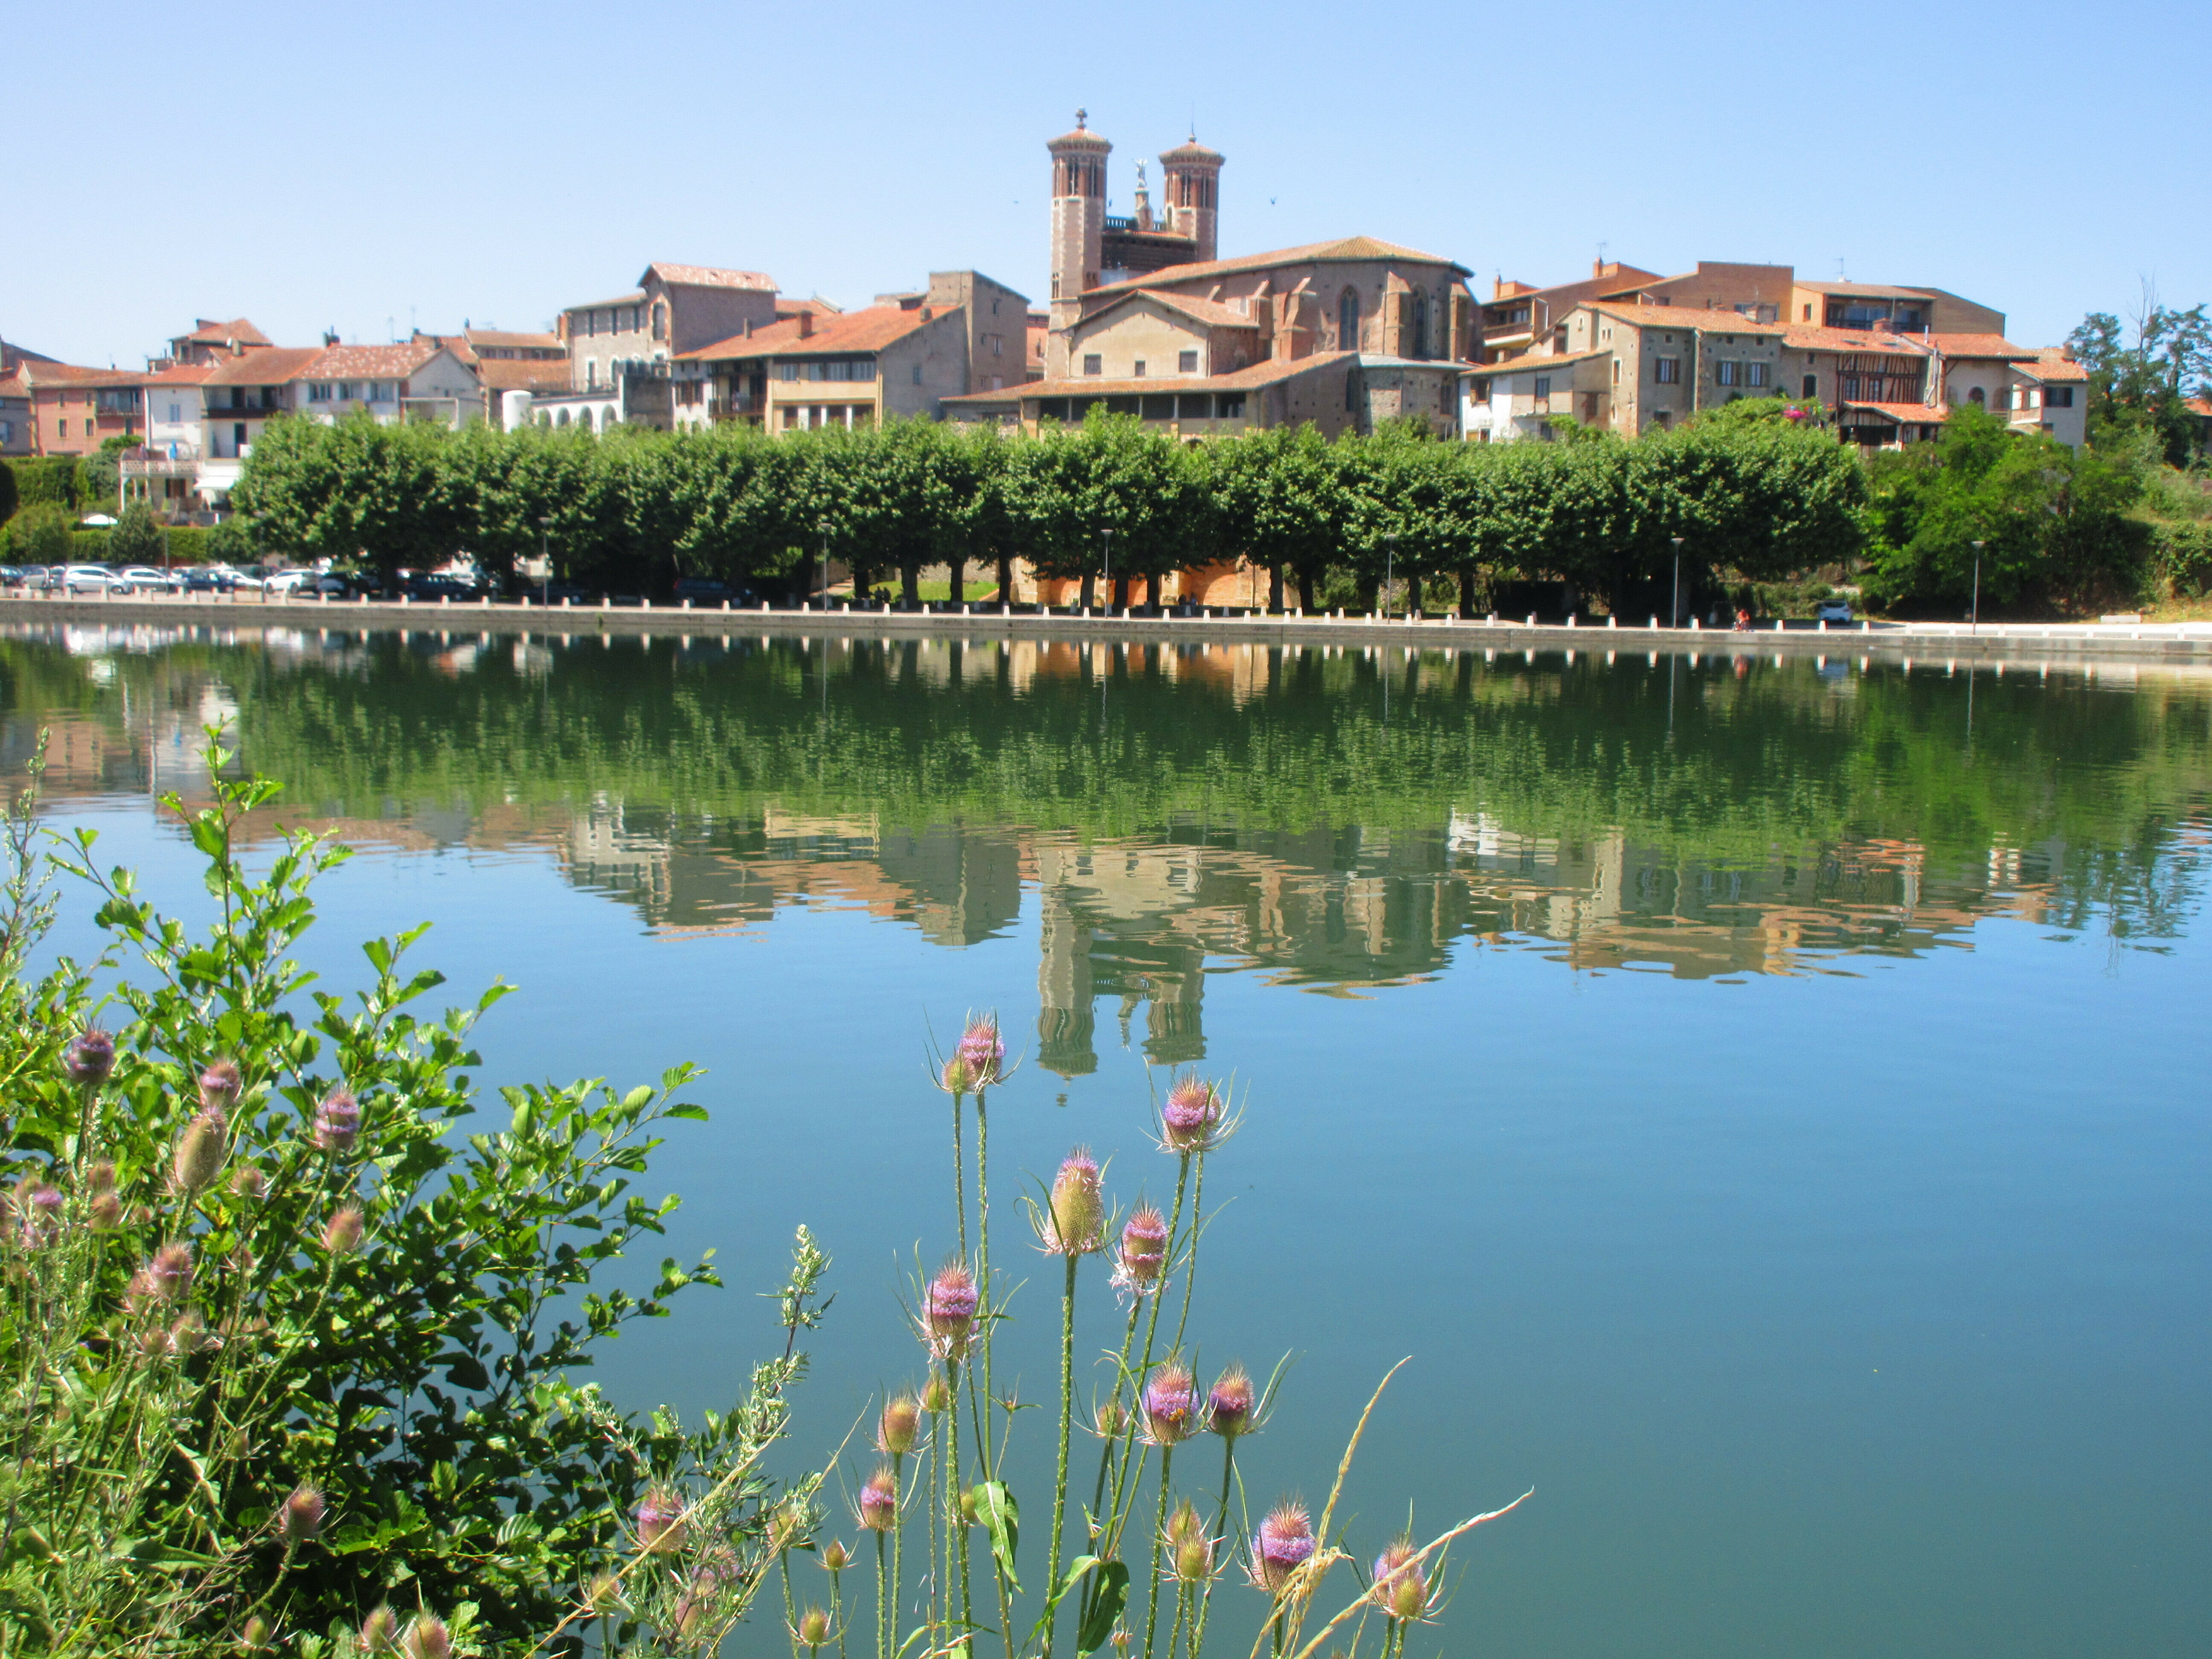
2051, 642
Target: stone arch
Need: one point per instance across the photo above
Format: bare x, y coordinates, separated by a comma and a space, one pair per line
562, 419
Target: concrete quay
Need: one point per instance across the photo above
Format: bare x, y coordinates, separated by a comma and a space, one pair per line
2145, 642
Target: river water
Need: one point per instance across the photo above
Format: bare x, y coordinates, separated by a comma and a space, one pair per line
1766, 1099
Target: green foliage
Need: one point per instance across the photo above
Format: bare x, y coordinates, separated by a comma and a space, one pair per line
48, 479
9, 493
415, 1366
41, 534
137, 538
88, 547
187, 544
231, 541
95, 484
2141, 384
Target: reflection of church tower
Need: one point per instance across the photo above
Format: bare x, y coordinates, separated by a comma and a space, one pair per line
1079, 225
1066, 1000
1192, 175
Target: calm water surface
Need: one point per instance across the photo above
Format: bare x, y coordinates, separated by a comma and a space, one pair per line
1767, 1100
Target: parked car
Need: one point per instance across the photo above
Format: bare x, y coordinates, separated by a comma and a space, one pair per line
423, 586
93, 579
703, 590
209, 579
1832, 611
144, 579
290, 581
13, 576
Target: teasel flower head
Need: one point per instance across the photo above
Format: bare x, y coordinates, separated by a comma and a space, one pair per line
200, 1152
689, 1613
956, 1079
660, 1519
39, 1205
379, 1632
105, 1214
337, 1122
948, 1311
1170, 1404
220, 1087
254, 1637
190, 1335
299, 1517
936, 1394
1190, 1552
879, 1500
1400, 1588
1109, 1420
813, 1630
168, 1276
343, 1231
249, 1183
427, 1637
836, 1558
900, 1423
90, 1058
1074, 1221
1193, 1118
1141, 1258
983, 1051
100, 1177
1285, 1543
972, 1507
1229, 1404
605, 1593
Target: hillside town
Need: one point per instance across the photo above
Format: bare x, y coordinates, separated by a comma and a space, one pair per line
1144, 317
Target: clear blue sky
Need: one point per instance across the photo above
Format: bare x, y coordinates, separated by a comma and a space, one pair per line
308, 164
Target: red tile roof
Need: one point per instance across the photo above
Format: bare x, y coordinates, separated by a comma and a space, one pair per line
238, 329
706, 276
523, 374
2198, 406
1242, 379
1909, 413
492, 337
1687, 317
786, 306
1980, 345
1804, 337
1348, 247
182, 374
1529, 362
30, 373
1191, 151
269, 365
370, 362
845, 335
2053, 364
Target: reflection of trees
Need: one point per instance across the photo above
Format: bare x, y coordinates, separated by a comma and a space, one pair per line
1255, 807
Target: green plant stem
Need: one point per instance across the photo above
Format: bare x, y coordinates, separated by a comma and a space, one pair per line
1190, 1270
1121, 1376
899, 1539
1159, 1531
882, 1605
1066, 1418
959, 1177
983, 1271
790, 1606
1220, 1541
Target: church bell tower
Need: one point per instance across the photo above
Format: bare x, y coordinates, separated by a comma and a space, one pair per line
1193, 174
1079, 228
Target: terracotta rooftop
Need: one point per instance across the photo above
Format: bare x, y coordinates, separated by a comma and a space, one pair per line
494, 337
1348, 247
238, 329
2051, 363
1191, 151
371, 362
523, 374
706, 276
786, 305
1980, 345
1212, 312
29, 375
269, 365
182, 374
1909, 413
1529, 362
845, 335
1864, 290
1687, 317
1804, 337
1092, 386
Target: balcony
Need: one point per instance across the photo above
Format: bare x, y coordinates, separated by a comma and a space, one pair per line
159, 466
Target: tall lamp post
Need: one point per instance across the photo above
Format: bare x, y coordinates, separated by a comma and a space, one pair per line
1974, 617
1674, 616
1389, 569
545, 558
1106, 557
821, 529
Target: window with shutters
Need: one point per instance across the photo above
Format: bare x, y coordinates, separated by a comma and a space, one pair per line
1755, 374
1187, 362
1667, 371
1725, 373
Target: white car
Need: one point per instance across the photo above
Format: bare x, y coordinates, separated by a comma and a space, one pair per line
1832, 611
290, 581
93, 579
144, 579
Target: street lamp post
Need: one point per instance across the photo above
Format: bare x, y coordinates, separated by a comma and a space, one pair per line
821, 529
1974, 617
1675, 616
545, 558
1389, 569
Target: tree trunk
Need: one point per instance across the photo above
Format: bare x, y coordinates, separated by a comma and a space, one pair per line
1089, 587
1367, 589
1467, 593
1005, 578
1122, 592
957, 568
910, 584
1275, 588
1310, 583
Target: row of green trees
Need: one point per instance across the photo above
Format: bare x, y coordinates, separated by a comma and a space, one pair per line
631, 511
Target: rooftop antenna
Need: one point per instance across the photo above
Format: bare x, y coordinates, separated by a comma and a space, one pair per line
1840, 268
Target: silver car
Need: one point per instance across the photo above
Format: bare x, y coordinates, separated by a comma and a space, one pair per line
93, 579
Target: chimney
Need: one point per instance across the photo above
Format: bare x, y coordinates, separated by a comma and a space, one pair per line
806, 324
330, 338
237, 348
748, 328
1883, 326
926, 313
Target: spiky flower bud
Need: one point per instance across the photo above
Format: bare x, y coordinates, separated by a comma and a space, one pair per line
190, 1335
1077, 1216
689, 1613
249, 1183
956, 1079
1144, 1253
38, 1206
1189, 1550
983, 1052
1229, 1404
1170, 1404
901, 1422
105, 1213
1190, 1116
936, 1395
1112, 1419
100, 1177
971, 1508
1285, 1544
660, 1521
379, 1632
337, 1122
948, 1309
254, 1638
200, 1152
427, 1637
1388, 1567
1409, 1596
836, 1558
168, 1276
813, 1628
89, 1058
219, 1087
342, 1232
300, 1518
879, 1501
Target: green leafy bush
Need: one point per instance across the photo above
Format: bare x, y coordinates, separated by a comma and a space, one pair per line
136, 538
40, 534
48, 479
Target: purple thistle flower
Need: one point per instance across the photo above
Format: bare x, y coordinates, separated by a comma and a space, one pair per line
220, 1086
168, 1276
106, 1213
300, 1518
1400, 1589
427, 1638
100, 1176
1229, 1406
89, 1058
1285, 1544
660, 1521
379, 1632
337, 1122
983, 1051
342, 1232
249, 1181
1143, 1250
948, 1311
1190, 1116
879, 1501
1169, 1406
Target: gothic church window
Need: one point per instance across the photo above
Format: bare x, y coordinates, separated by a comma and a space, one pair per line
1347, 321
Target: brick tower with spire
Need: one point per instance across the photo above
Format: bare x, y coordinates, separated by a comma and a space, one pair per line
1079, 221
1193, 176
